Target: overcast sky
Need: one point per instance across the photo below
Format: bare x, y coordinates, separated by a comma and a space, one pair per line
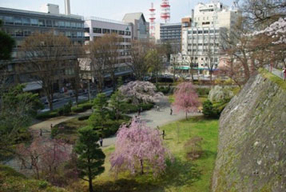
111, 9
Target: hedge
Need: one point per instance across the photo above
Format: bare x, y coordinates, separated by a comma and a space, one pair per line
47, 115
82, 107
130, 108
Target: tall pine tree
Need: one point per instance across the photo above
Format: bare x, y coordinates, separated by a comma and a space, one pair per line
91, 158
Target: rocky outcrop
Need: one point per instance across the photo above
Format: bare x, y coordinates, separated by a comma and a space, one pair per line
252, 140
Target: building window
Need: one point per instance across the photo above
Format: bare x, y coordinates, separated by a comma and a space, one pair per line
8, 20
56, 23
18, 20
27, 32
106, 31
79, 34
34, 22
121, 32
68, 24
68, 34
26, 21
73, 34
200, 32
86, 29
41, 22
61, 23
114, 31
97, 30
19, 32
49, 23
73, 25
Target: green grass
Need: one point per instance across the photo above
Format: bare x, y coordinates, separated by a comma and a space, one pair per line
273, 78
11, 180
67, 130
183, 174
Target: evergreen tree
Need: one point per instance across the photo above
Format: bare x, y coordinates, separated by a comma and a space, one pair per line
7, 43
91, 158
116, 102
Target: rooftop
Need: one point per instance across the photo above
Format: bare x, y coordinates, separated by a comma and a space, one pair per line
41, 13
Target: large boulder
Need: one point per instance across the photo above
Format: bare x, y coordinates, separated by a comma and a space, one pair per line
252, 140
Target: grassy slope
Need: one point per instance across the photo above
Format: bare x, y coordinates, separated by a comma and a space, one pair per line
273, 78
11, 180
183, 174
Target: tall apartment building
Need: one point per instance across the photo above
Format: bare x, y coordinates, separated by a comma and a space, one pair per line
97, 27
169, 33
21, 24
139, 25
202, 41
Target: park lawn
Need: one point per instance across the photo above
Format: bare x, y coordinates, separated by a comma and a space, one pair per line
181, 175
68, 130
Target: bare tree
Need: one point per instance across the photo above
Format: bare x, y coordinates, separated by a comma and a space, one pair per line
137, 64
48, 57
104, 55
263, 12
154, 62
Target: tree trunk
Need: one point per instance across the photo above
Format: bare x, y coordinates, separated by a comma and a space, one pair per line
142, 167
211, 78
186, 115
90, 178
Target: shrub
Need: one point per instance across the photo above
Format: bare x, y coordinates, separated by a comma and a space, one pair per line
146, 106
81, 107
163, 89
82, 118
67, 108
129, 108
55, 131
47, 115
209, 110
203, 91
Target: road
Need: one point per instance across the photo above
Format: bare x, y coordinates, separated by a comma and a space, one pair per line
82, 97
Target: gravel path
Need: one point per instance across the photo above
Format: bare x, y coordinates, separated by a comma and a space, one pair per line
154, 118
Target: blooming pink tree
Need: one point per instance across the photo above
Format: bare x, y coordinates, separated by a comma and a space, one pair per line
140, 91
186, 98
138, 147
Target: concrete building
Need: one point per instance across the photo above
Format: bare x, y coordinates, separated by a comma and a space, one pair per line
140, 27
202, 41
21, 24
169, 33
97, 27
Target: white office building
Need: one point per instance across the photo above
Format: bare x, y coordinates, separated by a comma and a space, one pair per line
202, 41
97, 27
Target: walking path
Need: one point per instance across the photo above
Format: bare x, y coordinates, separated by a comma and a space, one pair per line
154, 118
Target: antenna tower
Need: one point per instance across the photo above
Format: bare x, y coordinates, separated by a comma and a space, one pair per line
165, 11
152, 20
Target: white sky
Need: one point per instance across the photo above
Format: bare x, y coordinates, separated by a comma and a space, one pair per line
111, 9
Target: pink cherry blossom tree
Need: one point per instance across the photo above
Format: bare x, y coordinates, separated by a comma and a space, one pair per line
276, 30
138, 148
186, 98
140, 91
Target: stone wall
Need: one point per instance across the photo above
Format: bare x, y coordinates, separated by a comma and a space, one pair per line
252, 140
